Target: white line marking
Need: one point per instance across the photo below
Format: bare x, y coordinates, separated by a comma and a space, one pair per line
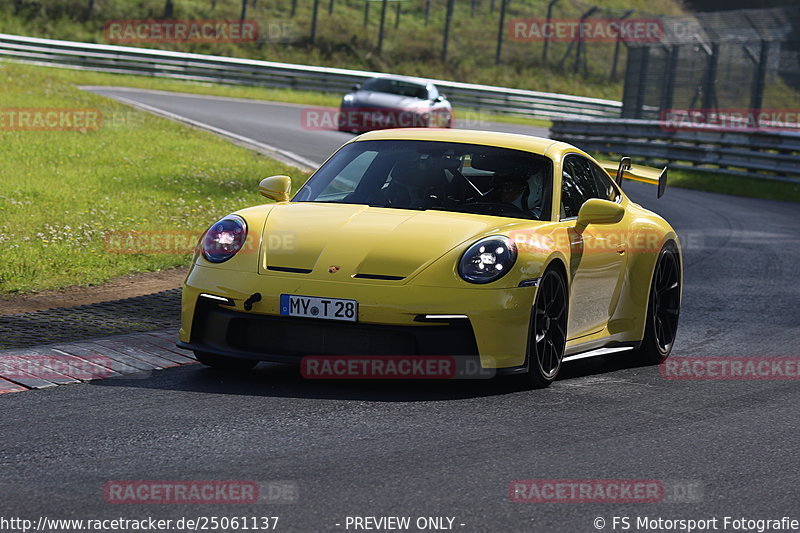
284, 156
190, 95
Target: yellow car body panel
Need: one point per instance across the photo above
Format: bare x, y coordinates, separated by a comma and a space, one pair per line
608, 268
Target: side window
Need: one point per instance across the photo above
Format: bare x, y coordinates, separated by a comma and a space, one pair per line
605, 186
582, 180
572, 194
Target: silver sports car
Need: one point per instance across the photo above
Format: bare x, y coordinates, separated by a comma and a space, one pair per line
394, 102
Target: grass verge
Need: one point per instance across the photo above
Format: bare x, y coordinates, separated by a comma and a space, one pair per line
65, 194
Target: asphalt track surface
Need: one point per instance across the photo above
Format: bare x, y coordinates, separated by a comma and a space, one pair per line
450, 449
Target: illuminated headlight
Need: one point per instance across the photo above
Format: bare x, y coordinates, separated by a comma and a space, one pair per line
348, 98
487, 260
224, 239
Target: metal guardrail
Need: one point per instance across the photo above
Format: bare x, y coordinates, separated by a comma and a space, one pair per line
152, 62
761, 154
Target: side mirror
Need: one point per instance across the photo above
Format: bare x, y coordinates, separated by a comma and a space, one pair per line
441, 98
277, 188
357, 87
597, 211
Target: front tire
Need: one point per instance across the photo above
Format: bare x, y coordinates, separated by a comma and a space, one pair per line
663, 308
548, 330
222, 362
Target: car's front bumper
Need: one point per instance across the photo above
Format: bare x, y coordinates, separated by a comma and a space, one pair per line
391, 319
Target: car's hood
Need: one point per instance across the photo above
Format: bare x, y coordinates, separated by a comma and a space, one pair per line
373, 99
362, 241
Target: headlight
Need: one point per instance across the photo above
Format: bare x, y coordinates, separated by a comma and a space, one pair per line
488, 259
348, 98
224, 238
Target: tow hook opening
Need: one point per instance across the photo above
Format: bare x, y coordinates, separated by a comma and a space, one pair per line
255, 297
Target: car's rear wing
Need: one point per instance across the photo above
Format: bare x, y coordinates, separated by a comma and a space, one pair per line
624, 169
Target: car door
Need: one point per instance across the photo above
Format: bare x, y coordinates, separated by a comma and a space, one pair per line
597, 255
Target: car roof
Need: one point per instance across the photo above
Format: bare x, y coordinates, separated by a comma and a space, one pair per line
410, 79
537, 145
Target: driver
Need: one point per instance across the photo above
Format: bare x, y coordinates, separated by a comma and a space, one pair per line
516, 191
510, 190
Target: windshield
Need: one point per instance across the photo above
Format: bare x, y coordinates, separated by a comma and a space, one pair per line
444, 176
402, 88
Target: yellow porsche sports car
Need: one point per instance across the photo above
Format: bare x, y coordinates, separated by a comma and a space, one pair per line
517, 251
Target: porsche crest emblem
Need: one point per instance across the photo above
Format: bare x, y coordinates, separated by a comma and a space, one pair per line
333, 269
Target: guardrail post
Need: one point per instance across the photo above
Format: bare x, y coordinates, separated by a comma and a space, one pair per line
759, 80
668, 89
579, 50
617, 44
314, 22
709, 87
547, 34
89, 9
645, 63
383, 23
447, 20
500, 31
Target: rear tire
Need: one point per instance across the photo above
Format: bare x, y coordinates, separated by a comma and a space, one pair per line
222, 362
663, 308
548, 330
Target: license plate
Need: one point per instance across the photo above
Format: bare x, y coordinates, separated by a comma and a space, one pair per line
313, 307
